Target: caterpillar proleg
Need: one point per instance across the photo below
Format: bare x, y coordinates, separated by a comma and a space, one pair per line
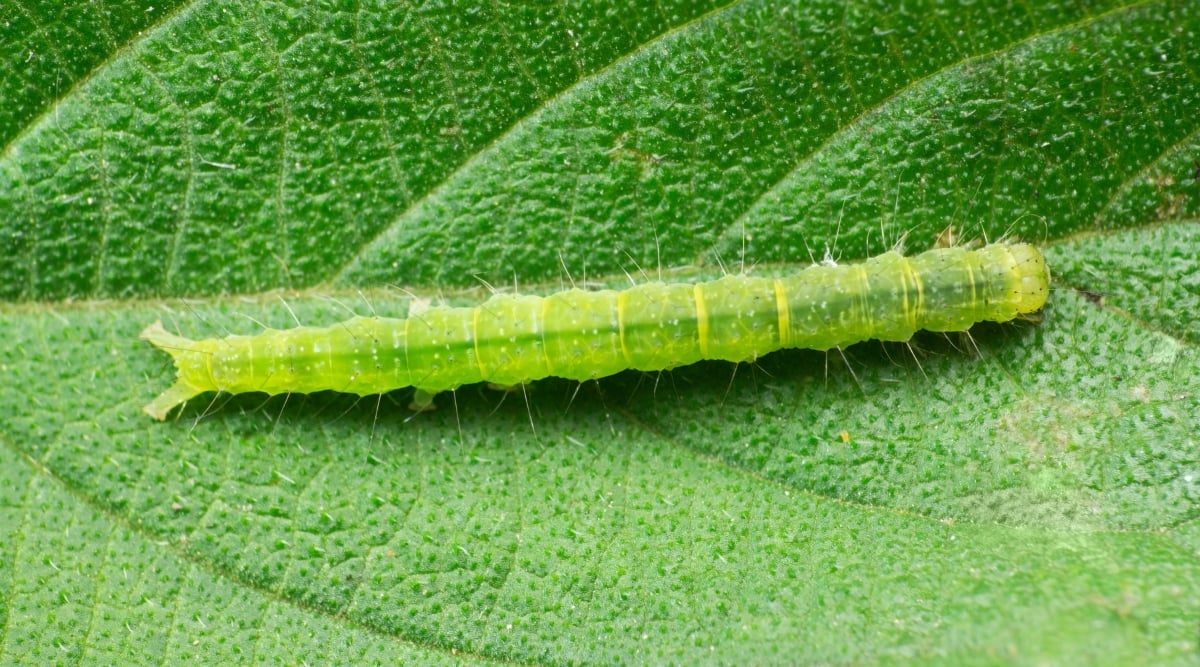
581, 335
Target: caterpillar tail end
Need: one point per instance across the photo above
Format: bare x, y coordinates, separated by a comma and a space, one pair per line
180, 392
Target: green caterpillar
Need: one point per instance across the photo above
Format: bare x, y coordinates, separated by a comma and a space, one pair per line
581, 335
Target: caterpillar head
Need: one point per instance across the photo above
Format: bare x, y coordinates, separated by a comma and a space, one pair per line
1030, 278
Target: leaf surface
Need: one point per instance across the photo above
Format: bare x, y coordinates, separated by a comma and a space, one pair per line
1027, 493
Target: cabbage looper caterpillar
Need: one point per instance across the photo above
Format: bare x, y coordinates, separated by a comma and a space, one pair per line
581, 335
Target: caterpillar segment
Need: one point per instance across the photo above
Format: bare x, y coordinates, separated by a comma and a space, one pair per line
581, 335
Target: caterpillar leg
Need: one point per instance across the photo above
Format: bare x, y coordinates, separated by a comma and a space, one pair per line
180, 392
422, 401
508, 388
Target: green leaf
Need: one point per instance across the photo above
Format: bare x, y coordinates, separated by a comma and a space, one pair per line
1026, 494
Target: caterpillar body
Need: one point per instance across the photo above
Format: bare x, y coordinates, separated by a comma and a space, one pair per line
512, 339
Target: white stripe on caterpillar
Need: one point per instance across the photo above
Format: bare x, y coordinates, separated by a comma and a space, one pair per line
582, 335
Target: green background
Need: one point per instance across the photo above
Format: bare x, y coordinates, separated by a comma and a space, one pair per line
1025, 496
